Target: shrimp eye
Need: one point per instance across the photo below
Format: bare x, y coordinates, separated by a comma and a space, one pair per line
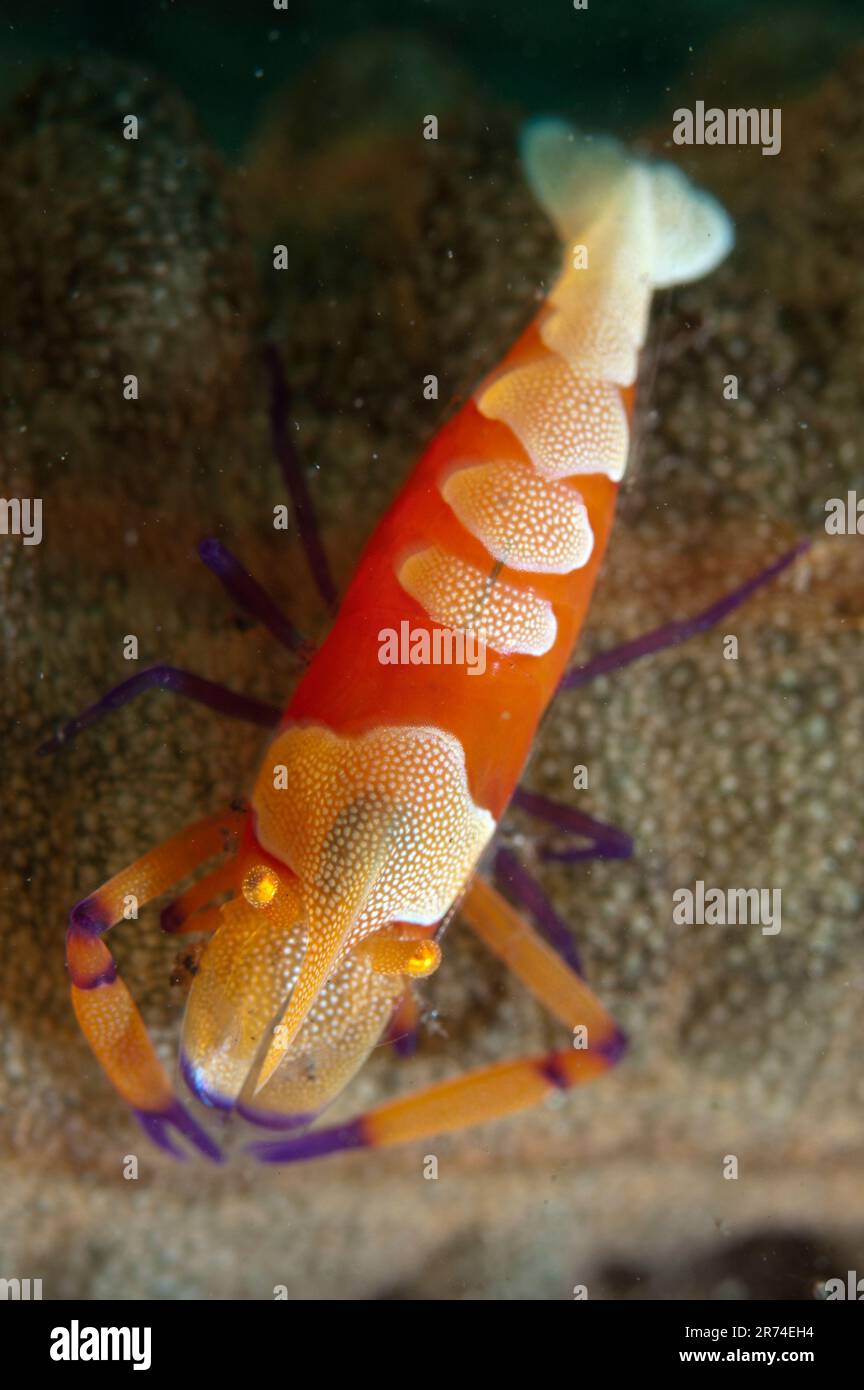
260, 886
424, 959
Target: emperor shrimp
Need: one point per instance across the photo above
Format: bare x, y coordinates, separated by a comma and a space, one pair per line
385, 780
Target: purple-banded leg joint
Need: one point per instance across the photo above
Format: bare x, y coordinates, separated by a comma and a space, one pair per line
317, 1144
613, 1048
157, 1125
87, 918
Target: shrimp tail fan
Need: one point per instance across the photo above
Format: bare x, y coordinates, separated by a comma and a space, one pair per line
683, 232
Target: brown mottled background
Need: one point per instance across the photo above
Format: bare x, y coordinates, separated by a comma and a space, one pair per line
408, 257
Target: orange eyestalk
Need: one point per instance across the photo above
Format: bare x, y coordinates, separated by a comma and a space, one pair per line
391, 956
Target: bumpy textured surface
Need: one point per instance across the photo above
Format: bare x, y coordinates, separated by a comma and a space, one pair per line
119, 256
524, 521
741, 773
463, 597
364, 821
582, 427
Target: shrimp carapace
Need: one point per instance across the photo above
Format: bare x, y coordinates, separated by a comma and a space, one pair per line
387, 776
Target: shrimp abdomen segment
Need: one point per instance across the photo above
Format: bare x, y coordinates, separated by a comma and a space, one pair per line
498, 534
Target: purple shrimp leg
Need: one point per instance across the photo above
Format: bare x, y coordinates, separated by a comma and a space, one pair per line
403, 1030
204, 692
249, 595
292, 472
671, 634
607, 841
604, 841
514, 879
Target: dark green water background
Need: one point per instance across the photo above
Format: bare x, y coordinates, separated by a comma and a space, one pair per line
610, 68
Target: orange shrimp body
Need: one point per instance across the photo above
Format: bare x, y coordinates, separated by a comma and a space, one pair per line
388, 775
429, 563
404, 741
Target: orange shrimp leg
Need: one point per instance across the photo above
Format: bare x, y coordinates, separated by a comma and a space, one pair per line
105, 1009
553, 983
492, 1092
184, 913
403, 1029
250, 596
510, 874
203, 692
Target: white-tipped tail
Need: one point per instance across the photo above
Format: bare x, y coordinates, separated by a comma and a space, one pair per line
629, 226
577, 177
